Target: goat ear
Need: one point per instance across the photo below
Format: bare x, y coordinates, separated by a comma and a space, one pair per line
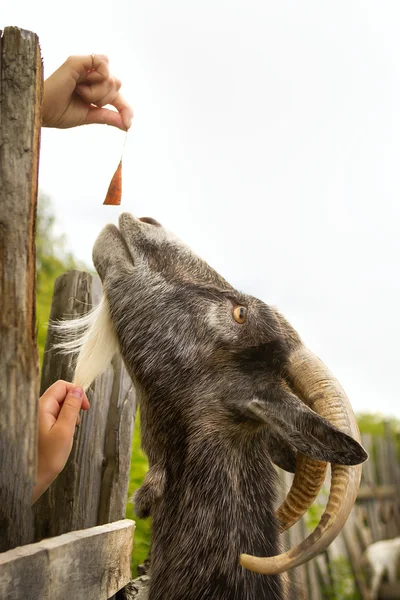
301, 427
282, 454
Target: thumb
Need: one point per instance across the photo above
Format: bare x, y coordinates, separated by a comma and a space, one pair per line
104, 116
70, 410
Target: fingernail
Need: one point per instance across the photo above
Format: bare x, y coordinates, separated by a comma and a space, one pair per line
77, 392
129, 122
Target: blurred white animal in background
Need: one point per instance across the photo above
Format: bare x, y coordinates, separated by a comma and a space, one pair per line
382, 557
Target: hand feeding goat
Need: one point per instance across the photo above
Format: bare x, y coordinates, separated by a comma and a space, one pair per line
225, 387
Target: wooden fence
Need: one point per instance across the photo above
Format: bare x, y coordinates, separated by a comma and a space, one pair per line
89, 553
336, 573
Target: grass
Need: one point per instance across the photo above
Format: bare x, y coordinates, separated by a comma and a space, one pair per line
138, 470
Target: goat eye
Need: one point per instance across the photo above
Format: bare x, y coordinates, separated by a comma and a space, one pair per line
240, 314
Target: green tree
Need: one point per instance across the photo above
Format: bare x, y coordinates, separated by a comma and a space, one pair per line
52, 259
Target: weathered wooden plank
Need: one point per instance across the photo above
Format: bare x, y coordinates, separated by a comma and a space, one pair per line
363, 532
118, 443
322, 572
314, 592
137, 589
368, 471
371, 507
392, 454
300, 573
21, 81
379, 492
92, 489
92, 564
390, 591
310, 590
354, 551
382, 461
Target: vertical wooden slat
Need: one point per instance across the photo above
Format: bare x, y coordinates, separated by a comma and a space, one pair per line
92, 489
313, 584
21, 82
117, 450
311, 591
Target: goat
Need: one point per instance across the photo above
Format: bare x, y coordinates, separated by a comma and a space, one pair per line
382, 557
226, 388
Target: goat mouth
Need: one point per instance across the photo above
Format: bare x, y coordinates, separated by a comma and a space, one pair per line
150, 221
118, 243
110, 248
128, 221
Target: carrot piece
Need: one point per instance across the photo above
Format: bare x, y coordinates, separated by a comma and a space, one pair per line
114, 193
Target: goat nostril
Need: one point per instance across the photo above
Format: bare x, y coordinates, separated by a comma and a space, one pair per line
150, 221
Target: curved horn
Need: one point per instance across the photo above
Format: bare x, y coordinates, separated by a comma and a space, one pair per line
320, 390
308, 479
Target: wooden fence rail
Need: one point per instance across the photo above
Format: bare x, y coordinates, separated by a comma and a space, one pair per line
52, 569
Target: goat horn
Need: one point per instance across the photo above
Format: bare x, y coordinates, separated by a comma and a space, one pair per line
308, 479
314, 384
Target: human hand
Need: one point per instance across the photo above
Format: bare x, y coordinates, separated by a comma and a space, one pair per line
58, 415
76, 93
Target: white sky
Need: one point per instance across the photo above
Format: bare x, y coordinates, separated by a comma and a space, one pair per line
267, 136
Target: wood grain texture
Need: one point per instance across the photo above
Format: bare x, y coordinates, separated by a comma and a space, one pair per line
92, 564
390, 591
137, 589
93, 487
21, 82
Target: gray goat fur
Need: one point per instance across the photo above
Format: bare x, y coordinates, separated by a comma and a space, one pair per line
216, 411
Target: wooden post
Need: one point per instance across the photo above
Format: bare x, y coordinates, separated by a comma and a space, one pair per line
93, 487
21, 82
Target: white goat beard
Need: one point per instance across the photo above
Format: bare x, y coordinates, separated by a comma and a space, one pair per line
94, 337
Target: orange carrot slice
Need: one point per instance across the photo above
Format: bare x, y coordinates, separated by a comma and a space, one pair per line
113, 197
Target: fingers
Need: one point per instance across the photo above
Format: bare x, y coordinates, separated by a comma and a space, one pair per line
67, 419
124, 109
99, 88
81, 66
105, 116
101, 94
86, 76
109, 117
55, 393
58, 391
51, 402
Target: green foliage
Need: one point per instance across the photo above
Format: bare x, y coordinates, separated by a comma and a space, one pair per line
374, 424
342, 586
314, 513
139, 467
377, 425
52, 260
